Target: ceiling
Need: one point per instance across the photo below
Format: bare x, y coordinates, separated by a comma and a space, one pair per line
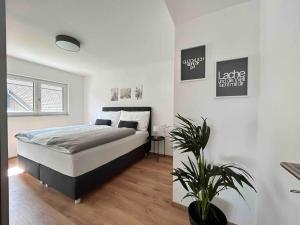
113, 33
185, 10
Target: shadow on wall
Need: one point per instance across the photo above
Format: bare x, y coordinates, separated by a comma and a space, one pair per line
273, 190
224, 205
230, 199
242, 161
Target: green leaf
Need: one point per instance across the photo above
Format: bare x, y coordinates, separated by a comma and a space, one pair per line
204, 181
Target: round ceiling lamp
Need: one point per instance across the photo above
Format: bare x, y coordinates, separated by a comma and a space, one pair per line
67, 43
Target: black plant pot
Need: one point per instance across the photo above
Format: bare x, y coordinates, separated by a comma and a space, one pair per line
212, 219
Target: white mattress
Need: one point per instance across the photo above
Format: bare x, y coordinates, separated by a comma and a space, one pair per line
74, 165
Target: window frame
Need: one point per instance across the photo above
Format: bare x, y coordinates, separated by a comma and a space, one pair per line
37, 83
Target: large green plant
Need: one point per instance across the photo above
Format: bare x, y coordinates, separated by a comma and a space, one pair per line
201, 180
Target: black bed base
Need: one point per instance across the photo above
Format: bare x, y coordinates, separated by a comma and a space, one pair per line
76, 187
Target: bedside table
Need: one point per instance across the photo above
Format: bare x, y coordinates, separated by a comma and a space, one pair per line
158, 139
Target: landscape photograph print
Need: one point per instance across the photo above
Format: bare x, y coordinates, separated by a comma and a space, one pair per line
125, 93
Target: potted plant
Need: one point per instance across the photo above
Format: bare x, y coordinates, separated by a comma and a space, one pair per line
204, 181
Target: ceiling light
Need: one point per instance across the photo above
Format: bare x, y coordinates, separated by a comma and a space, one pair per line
67, 43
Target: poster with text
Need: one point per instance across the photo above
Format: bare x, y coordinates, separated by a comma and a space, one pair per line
232, 78
193, 63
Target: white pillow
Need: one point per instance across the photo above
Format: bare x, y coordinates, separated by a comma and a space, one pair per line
141, 117
111, 115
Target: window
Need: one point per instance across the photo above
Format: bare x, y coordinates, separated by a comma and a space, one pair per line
20, 95
27, 96
52, 98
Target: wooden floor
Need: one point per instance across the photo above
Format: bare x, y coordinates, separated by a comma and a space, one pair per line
141, 195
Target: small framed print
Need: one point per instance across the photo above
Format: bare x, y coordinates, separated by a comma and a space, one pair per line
139, 92
125, 93
193, 63
232, 78
114, 94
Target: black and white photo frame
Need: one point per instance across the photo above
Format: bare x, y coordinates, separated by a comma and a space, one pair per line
114, 94
232, 78
117, 94
193, 62
138, 92
125, 93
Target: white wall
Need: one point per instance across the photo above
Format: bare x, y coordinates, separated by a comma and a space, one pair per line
279, 112
75, 82
156, 76
228, 34
157, 80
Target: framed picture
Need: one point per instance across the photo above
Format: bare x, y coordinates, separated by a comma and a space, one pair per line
125, 93
139, 92
232, 77
114, 94
193, 63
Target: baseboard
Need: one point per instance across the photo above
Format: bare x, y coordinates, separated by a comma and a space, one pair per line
177, 205
162, 155
13, 157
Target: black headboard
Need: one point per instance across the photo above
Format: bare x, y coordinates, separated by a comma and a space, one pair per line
132, 109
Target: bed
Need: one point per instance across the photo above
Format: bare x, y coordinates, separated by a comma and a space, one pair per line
76, 174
